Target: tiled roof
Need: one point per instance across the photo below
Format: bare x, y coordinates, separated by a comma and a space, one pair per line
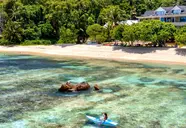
183, 8
167, 9
149, 13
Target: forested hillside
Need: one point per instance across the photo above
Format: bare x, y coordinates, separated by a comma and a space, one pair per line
66, 21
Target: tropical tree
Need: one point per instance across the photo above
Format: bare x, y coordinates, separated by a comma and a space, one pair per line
46, 30
96, 33
156, 31
181, 38
180, 35
13, 32
112, 14
32, 33
166, 33
68, 35
117, 32
129, 34
48, 19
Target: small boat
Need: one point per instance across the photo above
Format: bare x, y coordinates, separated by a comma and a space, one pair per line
97, 121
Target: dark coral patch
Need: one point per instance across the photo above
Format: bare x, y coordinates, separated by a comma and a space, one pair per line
177, 71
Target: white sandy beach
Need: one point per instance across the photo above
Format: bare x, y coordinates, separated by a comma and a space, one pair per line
160, 55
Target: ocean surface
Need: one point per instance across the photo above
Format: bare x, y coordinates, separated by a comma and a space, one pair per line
136, 95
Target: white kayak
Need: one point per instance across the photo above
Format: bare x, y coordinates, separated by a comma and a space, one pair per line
97, 121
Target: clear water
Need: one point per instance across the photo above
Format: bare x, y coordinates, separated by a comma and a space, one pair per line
135, 95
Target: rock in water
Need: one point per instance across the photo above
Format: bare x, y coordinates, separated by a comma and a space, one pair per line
96, 87
64, 88
72, 88
82, 86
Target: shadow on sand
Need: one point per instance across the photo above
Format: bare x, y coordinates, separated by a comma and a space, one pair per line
139, 50
65, 45
69, 45
181, 51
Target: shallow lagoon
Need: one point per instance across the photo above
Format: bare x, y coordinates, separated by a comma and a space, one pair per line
135, 95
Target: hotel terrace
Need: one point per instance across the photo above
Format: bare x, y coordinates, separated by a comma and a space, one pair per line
175, 15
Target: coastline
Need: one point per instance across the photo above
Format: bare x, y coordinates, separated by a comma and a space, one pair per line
116, 53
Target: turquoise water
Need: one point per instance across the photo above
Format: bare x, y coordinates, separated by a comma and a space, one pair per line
135, 95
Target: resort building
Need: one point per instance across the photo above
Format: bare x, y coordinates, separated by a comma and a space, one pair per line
175, 15
129, 22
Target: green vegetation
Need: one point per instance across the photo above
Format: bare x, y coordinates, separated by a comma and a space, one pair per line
96, 32
180, 35
153, 31
156, 32
74, 21
36, 42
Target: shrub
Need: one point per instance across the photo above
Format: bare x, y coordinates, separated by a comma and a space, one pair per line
180, 35
46, 30
32, 33
100, 38
67, 35
36, 42
97, 33
116, 33
13, 32
4, 42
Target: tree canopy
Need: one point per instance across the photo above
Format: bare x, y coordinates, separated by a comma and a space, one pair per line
153, 31
180, 35
70, 20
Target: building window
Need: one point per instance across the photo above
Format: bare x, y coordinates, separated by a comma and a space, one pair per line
168, 19
163, 19
182, 19
160, 13
176, 11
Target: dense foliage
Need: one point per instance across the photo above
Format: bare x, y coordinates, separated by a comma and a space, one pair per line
73, 21
180, 35
96, 33
153, 31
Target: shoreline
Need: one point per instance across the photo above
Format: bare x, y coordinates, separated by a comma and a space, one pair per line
140, 55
